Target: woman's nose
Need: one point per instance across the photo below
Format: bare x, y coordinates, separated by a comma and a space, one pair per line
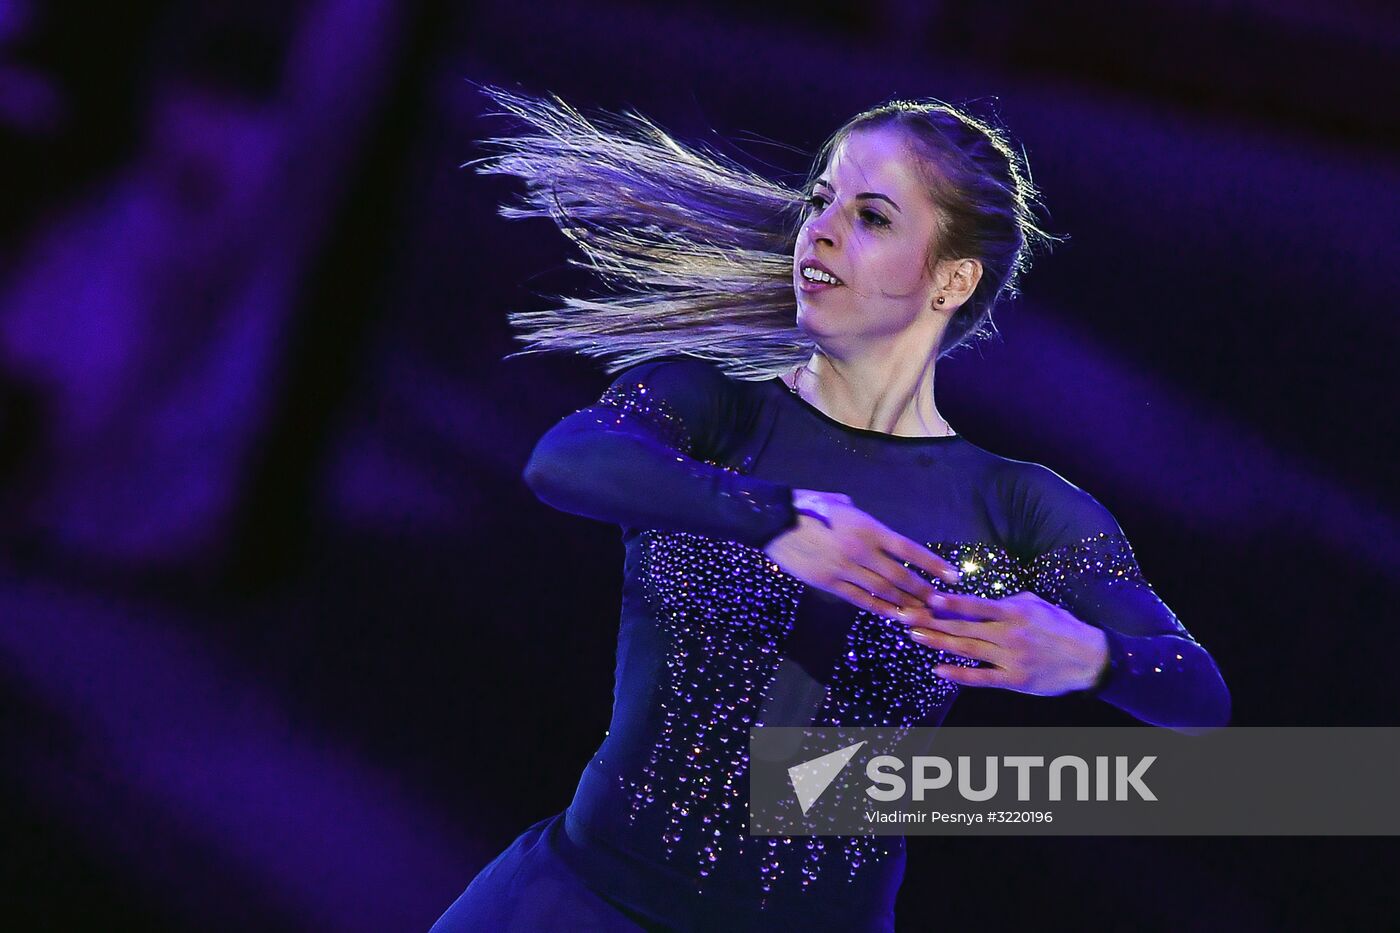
820, 229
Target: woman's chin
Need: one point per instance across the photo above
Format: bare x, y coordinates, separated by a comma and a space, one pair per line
818, 325
815, 320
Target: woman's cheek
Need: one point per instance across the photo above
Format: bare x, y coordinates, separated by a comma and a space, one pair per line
900, 274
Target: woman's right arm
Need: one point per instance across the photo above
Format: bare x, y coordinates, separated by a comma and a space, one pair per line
636, 457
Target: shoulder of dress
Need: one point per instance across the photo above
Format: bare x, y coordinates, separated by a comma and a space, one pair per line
1029, 475
680, 371
1044, 510
677, 376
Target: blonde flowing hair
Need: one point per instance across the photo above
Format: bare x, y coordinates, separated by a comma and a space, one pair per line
697, 250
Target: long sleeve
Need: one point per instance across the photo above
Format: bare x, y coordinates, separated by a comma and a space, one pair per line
637, 457
1157, 672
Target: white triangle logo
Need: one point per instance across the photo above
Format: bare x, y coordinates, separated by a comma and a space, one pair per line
810, 779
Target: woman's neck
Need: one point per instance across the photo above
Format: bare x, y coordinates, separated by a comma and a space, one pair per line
885, 399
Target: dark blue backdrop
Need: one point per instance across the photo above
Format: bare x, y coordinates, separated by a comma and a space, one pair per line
285, 643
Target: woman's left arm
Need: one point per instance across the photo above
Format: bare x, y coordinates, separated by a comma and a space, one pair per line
1088, 622
1155, 669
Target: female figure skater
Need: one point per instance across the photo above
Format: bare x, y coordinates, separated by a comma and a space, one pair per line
808, 541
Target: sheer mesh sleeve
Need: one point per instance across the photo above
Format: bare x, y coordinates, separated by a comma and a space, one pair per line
1157, 671
637, 457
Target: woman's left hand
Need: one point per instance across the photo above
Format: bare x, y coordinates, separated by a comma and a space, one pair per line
1036, 647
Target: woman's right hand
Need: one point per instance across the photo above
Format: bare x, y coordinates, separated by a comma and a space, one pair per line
844, 551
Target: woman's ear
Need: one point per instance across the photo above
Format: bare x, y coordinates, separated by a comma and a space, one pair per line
966, 274
957, 280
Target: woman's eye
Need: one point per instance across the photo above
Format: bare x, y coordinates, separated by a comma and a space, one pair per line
816, 203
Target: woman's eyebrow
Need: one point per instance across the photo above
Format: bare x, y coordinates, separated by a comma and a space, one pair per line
868, 195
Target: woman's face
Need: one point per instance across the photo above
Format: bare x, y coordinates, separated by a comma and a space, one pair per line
870, 223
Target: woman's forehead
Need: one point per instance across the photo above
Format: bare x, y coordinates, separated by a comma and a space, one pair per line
877, 159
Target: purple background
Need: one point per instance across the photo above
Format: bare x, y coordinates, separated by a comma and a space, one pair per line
285, 643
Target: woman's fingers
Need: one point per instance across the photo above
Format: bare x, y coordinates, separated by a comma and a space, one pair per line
907, 549
903, 577
974, 649
972, 676
880, 587
862, 599
882, 576
875, 568
974, 607
985, 629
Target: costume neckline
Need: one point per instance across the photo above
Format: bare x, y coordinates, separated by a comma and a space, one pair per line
841, 426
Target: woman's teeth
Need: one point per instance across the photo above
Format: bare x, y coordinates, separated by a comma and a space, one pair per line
817, 275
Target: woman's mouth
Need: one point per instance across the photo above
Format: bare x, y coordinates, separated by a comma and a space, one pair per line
813, 277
